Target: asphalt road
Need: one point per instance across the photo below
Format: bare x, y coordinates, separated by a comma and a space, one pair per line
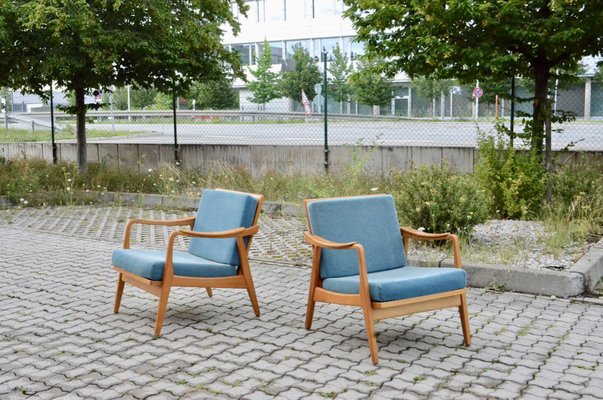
585, 135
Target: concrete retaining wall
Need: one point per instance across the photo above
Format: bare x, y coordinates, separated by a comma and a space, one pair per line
258, 159
261, 159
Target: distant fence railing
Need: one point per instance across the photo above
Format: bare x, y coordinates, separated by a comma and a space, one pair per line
282, 128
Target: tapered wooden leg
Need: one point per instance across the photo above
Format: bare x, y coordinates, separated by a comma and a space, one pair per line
465, 320
313, 283
370, 333
311, 303
253, 297
163, 300
118, 293
209, 292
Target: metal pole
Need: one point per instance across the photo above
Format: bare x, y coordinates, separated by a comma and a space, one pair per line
512, 128
54, 145
324, 90
176, 153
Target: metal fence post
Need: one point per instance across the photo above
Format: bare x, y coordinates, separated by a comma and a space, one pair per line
54, 145
325, 84
176, 152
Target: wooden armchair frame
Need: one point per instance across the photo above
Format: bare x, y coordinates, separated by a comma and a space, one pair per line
381, 310
161, 289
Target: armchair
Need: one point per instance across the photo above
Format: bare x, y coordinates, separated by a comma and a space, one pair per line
359, 259
217, 257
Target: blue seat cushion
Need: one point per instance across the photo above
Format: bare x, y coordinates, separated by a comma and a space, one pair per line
221, 210
369, 220
150, 264
402, 283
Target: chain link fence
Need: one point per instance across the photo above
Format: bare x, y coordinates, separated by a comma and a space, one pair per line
452, 119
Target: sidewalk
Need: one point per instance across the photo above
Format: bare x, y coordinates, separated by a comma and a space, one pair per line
59, 337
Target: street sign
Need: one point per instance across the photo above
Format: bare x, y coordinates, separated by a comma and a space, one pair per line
478, 92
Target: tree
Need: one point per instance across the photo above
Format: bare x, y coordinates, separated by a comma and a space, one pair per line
82, 45
469, 39
217, 95
432, 88
265, 86
340, 70
299, 73
139, 98
370, 86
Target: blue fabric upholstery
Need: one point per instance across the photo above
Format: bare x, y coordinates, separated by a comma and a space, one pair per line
150, 264
369, 220
219, 211
402, 283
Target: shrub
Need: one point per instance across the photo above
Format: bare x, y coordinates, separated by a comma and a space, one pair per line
439, 200
516, 181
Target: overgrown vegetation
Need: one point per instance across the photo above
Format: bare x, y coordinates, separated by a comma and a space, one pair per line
436, 198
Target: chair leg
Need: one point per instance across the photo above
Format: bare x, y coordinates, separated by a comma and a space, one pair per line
311, 303
253, 298
370, 333
464, 313
163, 300
209, 292
118, 293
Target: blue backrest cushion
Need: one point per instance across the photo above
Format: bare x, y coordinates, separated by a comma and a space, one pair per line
221, 210
369, 220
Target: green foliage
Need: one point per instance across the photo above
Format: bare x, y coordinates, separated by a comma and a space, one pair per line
139, 98
369, 85
83, 45
215, 95
430, 88
439, 200
578, 198
300, 73
265, 86
482, 39
340, 70
516, 181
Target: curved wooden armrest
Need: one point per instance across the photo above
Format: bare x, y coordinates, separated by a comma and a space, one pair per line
190, 221
416, 234
327, 244
409, 233
231, 233
165, 222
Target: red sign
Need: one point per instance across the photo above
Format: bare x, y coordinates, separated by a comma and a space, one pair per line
478, 92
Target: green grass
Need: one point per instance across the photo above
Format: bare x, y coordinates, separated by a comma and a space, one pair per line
44, 135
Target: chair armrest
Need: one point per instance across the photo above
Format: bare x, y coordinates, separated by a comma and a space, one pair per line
165, 222
327, 244
190, 221
416, 234
409, 233
231, 233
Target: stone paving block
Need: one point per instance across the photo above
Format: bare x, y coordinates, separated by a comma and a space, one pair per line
60, 336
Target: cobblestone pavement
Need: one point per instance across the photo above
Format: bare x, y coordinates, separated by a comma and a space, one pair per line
60, 339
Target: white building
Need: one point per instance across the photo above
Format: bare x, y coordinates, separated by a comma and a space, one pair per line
313, 24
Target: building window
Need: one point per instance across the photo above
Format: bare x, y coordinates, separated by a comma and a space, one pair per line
327, 8
356, 49
276, 49
306, 44
246, 52
274, 10
296, 10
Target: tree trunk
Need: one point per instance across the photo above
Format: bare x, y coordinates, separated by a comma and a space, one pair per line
80, 112
541, 79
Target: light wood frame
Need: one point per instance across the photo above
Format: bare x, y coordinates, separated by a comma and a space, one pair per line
161, 289
381, 310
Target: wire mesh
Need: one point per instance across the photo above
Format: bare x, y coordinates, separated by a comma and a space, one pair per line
452, 119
